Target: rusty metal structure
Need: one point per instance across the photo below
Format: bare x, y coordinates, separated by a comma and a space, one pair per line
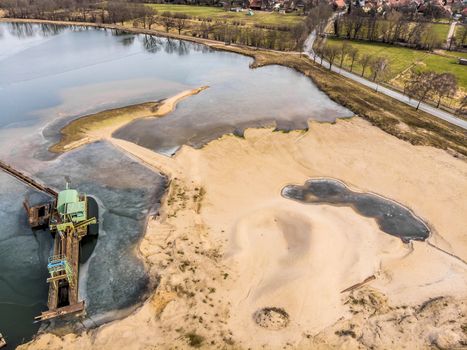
38, 216
66, 216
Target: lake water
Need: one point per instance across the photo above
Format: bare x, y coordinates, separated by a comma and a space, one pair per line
50, 75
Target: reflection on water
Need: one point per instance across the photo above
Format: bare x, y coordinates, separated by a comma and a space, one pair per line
24, 30
391, 217
237, 96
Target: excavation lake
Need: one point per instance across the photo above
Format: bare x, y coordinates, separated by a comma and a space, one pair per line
52, 74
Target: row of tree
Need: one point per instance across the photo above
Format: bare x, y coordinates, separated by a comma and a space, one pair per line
390, 28
121, 11
277, 38
430, 85
379, 66
420, 85
111, 11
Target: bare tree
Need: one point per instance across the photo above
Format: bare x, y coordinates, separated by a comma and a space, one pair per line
318, 49
445, 85
462, 110
270, 39
152, 20
150, 15
353, 55
318, 16
299, 34
461, 35
330, 52
181, 21
204, 29
365, 61
167, 21
344, 51
256, 37
379, 69
118, 11
420, 86
430, 39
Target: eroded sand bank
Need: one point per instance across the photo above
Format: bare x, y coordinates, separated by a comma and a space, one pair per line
228, 244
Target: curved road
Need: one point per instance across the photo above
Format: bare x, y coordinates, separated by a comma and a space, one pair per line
308, 50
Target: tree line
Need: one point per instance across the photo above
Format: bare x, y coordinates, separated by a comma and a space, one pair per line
419, 85
112, 11
391, 27
430, 85
140, 15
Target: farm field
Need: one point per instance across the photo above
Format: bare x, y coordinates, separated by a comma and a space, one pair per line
218, 13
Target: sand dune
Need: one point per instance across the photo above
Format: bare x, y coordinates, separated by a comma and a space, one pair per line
228, 245
299, 258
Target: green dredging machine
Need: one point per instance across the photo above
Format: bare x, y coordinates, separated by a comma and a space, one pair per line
67, 217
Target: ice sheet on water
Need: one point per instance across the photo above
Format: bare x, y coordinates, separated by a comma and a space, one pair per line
392, 217
23, 291
116, 276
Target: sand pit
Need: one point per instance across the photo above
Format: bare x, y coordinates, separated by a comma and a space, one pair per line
272, 318
300, 258
228, 245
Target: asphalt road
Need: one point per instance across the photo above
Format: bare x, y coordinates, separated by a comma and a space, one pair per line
308, 50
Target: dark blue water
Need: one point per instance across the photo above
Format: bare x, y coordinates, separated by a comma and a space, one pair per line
392, 217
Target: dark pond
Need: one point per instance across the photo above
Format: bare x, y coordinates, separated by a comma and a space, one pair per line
392, 217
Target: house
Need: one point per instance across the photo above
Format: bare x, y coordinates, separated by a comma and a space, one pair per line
339, 4
256, 4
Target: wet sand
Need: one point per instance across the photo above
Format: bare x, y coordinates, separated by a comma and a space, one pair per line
228, 247
94, 127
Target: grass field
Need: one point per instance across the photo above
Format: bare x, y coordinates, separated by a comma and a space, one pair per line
218, 13
441, 30
460, 28
402, 58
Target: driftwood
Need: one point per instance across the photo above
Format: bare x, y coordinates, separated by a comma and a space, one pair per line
355, 286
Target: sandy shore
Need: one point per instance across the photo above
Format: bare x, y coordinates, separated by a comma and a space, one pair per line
242, 267
102, 125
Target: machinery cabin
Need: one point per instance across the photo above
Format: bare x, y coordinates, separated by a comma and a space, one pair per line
68, 223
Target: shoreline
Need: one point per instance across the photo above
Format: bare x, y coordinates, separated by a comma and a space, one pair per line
388, 114
101, 125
